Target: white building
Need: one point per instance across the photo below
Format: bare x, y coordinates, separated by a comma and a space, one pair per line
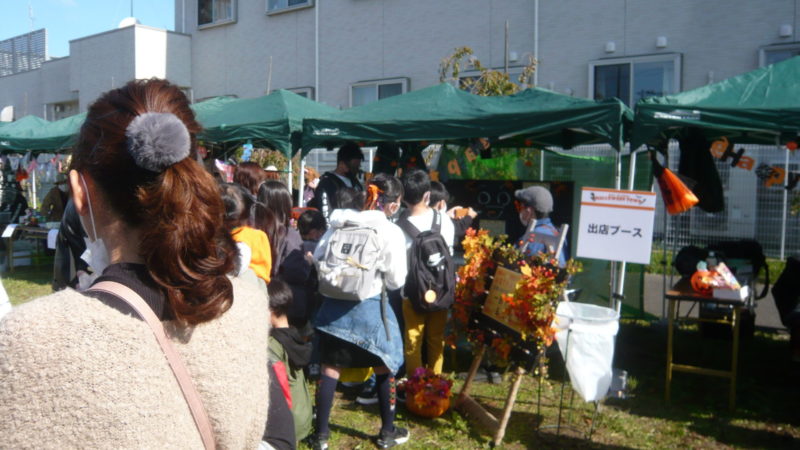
349, 52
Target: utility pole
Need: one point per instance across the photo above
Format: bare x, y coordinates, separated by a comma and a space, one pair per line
30, 15
505, 52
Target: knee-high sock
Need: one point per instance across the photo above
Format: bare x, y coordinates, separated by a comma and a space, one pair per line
325, 391
387, 398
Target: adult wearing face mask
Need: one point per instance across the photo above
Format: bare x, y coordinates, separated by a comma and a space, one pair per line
172, 355
348, 164
536, 203
55, 201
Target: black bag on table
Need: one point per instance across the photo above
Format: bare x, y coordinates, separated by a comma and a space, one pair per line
747, 249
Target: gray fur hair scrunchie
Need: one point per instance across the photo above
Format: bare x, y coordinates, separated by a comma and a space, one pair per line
157, 140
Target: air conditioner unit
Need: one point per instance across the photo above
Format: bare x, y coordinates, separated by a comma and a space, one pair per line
7, 113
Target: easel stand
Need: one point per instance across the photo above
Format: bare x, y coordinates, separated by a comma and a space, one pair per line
467, 406
564, 381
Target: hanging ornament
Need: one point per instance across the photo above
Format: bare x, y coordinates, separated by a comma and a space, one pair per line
677, 196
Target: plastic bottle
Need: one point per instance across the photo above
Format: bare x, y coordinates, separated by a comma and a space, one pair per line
712, 261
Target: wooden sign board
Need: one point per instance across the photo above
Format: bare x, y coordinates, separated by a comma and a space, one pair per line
505, 282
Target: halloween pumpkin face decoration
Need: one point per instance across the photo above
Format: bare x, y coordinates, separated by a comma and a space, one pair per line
703, 282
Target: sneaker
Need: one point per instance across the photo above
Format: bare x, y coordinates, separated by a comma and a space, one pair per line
396, 437
318, 442
369, 395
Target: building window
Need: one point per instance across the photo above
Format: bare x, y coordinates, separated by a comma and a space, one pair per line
365, 92
307, 92
62, 110
279, 6
777, 53
215, 12
631, 79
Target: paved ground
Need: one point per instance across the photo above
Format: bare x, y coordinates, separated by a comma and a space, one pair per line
766, 312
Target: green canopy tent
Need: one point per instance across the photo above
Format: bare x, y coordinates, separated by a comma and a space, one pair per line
534, 117
24, 134
205, 110
445, 113
275, 119
755, 108
758, 107
39, 135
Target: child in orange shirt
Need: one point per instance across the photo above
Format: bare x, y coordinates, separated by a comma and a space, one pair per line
254, 247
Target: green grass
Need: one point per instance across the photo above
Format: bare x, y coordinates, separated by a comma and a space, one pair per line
765, 417
697, 417
26, 283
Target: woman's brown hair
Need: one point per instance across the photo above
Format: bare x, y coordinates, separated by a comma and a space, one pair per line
250, 176
273, 213
178, 211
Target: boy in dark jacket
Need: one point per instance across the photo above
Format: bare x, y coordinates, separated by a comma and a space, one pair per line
348, 164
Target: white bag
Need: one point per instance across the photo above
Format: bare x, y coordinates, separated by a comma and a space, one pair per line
591, 331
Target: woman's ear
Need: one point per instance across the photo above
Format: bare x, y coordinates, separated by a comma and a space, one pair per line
79, 193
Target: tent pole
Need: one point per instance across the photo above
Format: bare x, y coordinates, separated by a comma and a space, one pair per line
301, 182
289, 178
33, 189
541, 165
623, 264
615, 266
785, 197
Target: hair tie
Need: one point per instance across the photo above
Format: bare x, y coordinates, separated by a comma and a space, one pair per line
157, 140
373, 195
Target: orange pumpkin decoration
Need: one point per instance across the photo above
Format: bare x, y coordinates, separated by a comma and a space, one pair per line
702, 282
426, 405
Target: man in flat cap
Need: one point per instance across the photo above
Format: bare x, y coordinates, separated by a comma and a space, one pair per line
536, 203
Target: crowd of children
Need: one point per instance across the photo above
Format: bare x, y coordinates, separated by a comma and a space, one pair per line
335, 278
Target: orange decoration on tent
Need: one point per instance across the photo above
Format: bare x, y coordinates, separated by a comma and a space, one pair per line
791, 145
528, 142
677, 196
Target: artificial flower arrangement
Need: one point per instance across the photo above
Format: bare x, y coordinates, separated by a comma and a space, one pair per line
427, 394
532, 303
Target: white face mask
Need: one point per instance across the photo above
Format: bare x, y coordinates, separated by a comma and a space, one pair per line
524, 217
96, 254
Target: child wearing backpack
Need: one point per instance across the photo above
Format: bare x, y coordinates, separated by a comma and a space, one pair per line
360, 256
430, 283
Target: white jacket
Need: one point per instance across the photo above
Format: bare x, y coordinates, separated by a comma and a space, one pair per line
392, 262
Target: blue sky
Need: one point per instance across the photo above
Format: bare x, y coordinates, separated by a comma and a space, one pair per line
71, 19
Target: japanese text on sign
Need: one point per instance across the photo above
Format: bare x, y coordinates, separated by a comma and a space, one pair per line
616, 225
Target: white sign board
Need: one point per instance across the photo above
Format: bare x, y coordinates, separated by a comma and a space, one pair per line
9, 231
616, 225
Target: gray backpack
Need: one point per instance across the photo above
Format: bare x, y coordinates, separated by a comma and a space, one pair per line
348, 268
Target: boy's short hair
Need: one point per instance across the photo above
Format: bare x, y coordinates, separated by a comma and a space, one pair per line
349, 198
439, 193
280, 297
310, 220
349, 151
416, 183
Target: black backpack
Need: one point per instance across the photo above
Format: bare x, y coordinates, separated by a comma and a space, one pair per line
431, 279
